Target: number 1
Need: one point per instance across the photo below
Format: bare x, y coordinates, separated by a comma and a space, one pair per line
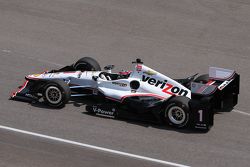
201, 115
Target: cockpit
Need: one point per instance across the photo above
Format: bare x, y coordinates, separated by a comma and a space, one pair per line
108, 75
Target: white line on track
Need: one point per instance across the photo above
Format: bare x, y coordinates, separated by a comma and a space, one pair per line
93, 147
241, 112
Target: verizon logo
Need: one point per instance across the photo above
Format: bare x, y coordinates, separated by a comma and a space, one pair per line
165, 86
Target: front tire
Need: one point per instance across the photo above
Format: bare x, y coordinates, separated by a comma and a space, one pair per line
56, 93
177, 111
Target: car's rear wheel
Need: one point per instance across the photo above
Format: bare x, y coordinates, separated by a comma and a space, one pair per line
202, 79
87, 64
177, 111
56, 93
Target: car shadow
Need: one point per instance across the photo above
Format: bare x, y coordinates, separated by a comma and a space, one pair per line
86, 101
147, 124
159, 126
76, 102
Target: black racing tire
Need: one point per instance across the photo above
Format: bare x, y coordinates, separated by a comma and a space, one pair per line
56, 93
87, 64
177, 111
202, 79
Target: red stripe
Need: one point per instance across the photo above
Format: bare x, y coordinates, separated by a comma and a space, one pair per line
111, 98
150, 95
19, 90
124, 97
211, 82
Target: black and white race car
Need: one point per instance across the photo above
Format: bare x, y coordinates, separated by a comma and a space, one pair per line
142, 93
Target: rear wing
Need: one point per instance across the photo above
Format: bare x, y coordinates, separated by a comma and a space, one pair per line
219, 94
222, 78
224, 90
221, 74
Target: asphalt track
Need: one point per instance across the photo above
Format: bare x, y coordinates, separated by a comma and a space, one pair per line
178, 38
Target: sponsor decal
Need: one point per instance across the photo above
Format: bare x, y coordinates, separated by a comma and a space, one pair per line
36, 75
119, 84
224, 84
31, 96
165, 86
150, 72
101, 112
200, 126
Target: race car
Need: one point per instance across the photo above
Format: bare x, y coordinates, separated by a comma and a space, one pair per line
142, 93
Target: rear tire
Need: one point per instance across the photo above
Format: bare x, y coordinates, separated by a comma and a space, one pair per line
87, 64
56, 93
202, 79
177, 111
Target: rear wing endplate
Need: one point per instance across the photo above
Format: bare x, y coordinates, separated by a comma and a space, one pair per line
221, 74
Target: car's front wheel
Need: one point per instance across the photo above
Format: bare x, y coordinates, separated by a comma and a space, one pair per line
177, 111
56, 93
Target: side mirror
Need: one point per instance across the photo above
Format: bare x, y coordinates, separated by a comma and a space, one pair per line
109, 68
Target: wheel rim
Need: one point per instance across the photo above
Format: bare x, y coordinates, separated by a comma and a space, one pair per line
176, 115
53, 95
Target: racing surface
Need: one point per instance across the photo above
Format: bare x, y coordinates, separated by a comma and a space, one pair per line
177, 38
44, 153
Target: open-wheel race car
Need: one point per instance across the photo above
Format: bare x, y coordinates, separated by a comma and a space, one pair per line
142, 93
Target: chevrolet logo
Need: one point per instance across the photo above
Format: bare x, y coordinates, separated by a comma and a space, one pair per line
149, 72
